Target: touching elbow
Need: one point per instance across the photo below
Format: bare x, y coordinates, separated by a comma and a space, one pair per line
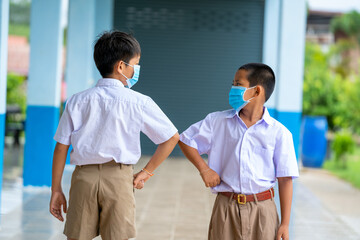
176, 137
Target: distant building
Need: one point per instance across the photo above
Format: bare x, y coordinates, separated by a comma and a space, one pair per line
190, 53
18, 55
318, 28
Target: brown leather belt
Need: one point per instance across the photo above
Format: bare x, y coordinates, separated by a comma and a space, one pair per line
242, 198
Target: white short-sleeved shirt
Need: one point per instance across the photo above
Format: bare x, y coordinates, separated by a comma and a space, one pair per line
104, 123
248, 160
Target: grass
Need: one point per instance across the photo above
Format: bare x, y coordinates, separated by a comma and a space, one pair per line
19, 30
24, 30
351, 173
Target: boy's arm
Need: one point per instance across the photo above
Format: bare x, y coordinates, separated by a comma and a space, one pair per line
285, 194
57, 196
162, 152
209, 176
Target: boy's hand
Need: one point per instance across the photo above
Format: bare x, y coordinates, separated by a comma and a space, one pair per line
57, 199
210, 178
140, 178
283, 233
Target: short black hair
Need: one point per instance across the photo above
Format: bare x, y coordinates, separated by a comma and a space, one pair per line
113, 46
260, 74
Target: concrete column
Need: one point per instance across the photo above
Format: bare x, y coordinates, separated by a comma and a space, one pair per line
79, 63
4, 30
271, 46
291, 66
87, 19
283, 51
46, 38
104, 18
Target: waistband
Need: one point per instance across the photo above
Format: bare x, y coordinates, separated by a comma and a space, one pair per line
110, 163
243, 199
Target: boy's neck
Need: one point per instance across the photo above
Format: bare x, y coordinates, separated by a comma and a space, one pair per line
252, 115
119, 78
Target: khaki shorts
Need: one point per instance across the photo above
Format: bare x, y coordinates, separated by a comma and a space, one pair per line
101, 202
251, 221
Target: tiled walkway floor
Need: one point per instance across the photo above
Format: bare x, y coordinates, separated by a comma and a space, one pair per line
175, 205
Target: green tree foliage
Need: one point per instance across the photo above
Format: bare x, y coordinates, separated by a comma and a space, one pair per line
19, 18
346, 28
321, 91
349, 114
342, 145
15, 94
349, 24
329, 92
19, 12
19, 22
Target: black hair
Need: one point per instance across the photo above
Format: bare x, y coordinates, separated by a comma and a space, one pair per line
111, 47
260, 74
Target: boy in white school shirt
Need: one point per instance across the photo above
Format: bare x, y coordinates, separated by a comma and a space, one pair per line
103, 125
248, 150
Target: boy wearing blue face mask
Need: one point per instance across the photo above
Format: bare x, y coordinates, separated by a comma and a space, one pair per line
103, 125
248, 151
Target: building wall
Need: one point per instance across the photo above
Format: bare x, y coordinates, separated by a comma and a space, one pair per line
190, 52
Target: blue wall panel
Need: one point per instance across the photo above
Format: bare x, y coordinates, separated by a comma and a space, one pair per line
2, 134
190, 52
41, 125
291, 120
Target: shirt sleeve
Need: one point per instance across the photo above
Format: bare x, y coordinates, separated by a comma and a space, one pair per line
284, 156
156, 125
65, 128
198, 135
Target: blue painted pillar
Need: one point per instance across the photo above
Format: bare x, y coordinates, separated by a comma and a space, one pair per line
4, 30
87, 19
81, 36
104, 19
283, 51
291, 66
271, 46
46, 37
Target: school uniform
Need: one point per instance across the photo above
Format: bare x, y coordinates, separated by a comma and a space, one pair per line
248, 161
103, 125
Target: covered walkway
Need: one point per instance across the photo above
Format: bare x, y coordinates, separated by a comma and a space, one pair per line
175, 205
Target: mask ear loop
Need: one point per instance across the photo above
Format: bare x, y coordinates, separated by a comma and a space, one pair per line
130, 66
125, 76
248, 89
122, 73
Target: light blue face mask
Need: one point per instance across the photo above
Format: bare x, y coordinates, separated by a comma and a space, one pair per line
135, 78
236, 97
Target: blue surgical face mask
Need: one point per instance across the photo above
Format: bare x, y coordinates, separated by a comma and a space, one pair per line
236, 97
135, 78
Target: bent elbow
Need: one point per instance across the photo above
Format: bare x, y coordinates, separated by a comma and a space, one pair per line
176, 137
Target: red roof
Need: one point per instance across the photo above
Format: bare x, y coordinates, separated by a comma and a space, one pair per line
19, 55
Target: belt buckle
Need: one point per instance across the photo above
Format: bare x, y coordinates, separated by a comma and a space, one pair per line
239, 199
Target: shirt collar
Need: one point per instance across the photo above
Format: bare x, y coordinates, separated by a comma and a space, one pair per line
266, 116
109, 82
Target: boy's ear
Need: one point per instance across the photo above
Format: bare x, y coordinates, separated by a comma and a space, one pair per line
118, 67
258, 89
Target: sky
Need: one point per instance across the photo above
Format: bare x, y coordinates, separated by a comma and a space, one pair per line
334, 5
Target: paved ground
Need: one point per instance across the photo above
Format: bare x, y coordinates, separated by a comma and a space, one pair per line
326, 207
175, 205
